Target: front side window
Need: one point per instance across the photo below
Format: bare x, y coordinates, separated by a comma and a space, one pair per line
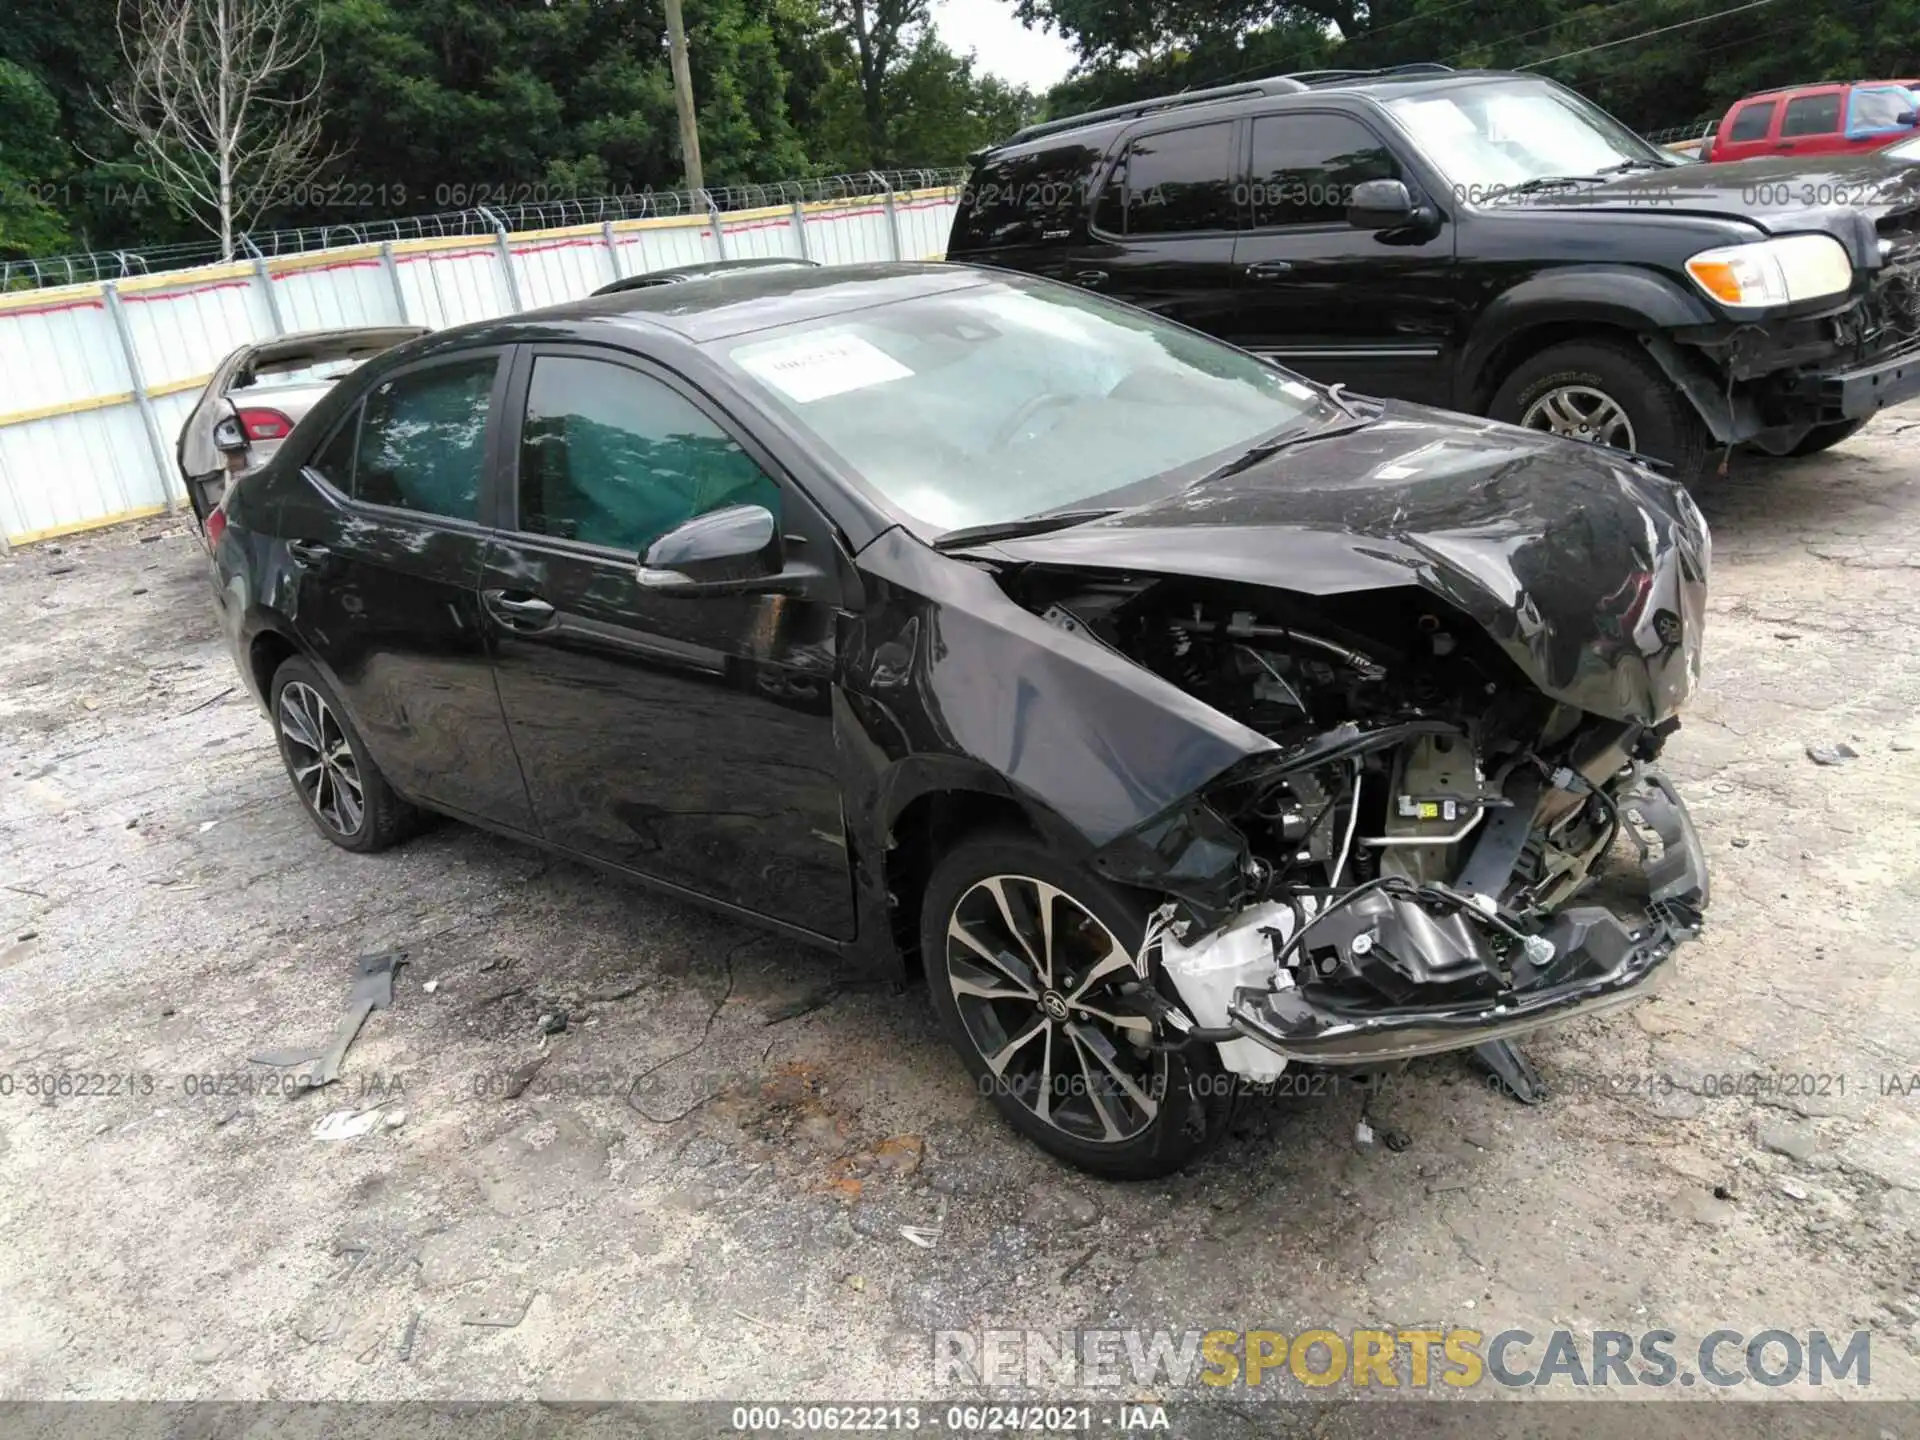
1879, 110
1493, 136
1305, 167
612, 457
1812, 115
1181, 180
1008, 399
1752, 122
423, 440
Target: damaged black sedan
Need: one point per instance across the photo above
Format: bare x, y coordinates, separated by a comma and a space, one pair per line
1179, 720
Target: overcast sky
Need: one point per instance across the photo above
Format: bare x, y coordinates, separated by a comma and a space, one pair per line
1005, 47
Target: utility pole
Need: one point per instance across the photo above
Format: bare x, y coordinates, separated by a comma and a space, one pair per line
683, 98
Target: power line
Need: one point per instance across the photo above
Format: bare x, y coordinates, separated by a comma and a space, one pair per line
1555, 25
1645, 34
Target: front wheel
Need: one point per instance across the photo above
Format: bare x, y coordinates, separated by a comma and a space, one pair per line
1028, 960
1610, 393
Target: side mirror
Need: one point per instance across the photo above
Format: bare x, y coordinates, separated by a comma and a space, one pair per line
1380, 205
1908, 118
736, 549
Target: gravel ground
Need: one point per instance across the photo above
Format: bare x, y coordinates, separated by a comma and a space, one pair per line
699, 1187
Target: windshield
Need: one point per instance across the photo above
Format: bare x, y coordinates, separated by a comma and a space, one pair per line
1004, 401
1488, 139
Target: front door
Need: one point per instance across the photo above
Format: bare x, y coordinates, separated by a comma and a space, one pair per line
1377, 311
685, 737
388, 548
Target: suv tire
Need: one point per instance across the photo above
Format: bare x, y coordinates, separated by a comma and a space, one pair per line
986, 1005
1661, 421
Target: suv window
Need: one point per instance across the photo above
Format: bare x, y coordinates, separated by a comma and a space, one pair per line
1175, 181
1752, 122
423, 440
1879, 109
613, 457
1016, 199
1812, 115
1305, 167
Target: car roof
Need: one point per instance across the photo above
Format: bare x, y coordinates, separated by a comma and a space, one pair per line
742, 301
680, 274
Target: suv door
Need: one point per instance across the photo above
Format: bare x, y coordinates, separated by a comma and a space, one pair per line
1749, 131
387, 545
1163, 224
1810, 123
687, 737
1378, 311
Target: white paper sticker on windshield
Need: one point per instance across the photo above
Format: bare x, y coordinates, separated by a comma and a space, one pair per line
1297, 390
812, 367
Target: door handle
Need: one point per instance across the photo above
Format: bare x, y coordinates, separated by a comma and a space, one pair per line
519, 611
307, 552
1091, 279
1268, 269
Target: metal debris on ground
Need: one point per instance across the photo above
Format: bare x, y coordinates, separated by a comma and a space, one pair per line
1831, 754
372, 990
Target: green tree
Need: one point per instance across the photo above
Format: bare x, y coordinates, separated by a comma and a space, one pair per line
33, 167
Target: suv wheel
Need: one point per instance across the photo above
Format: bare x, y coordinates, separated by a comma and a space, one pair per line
1026, 957
346, 796
1611, 393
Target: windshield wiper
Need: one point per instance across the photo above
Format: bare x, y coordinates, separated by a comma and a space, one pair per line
1626, 165
1016, 529
1264, 449
1548, 182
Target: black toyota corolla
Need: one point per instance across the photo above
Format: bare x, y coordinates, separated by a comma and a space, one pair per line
1178, 719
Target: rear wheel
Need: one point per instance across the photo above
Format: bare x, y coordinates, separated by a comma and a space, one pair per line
347, 797
1027, 958
1825, 437
1611, 393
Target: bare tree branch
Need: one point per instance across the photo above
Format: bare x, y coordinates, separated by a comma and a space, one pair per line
222, 98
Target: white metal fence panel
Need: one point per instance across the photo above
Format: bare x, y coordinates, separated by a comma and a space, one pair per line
96, 379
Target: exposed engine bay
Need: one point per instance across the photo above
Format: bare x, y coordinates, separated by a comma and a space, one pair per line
1436, 854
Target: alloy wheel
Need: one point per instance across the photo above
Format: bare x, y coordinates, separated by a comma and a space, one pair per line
1581, 412
1036, 979
320, 759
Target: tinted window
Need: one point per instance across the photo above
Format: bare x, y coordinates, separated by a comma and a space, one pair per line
1879, 109
1812, 115
423, 440
1181, 180
335, 460
1753, 121
1305, 167
1017, 199
614, 457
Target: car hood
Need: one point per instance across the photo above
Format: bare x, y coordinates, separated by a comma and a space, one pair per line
1781, 194
1587, 568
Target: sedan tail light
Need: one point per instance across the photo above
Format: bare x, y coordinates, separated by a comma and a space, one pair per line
264, 424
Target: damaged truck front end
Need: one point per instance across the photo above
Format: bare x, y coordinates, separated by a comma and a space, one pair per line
1458, 830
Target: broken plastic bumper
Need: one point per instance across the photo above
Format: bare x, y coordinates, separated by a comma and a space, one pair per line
1602, 960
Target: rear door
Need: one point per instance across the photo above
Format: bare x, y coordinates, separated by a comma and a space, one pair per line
1749, 130
1811, 121
388, 547
1164, 223
684, 737
1378, 311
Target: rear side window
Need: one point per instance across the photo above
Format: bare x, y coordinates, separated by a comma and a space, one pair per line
334, 463
423, 439
1752, 122
612, 457
1024, 199
1305, 167
1174, 182
1812, 115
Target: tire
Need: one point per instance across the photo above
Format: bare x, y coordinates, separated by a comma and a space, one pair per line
1659, 420
1825, 437
1110, 1107
315, 735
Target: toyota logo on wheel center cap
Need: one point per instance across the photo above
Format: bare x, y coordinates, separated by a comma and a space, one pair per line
1055, 1004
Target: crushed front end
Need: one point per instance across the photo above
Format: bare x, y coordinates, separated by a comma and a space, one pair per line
1442, 849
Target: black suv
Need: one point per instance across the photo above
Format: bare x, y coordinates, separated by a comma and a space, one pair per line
1488, 242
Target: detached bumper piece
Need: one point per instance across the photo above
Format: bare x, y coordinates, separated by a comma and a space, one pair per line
1387, 978
1853, 394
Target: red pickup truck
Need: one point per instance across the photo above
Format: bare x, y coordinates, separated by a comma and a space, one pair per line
1830, 118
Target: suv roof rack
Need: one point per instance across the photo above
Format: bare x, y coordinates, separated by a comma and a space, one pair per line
1272, 85
1334, 77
